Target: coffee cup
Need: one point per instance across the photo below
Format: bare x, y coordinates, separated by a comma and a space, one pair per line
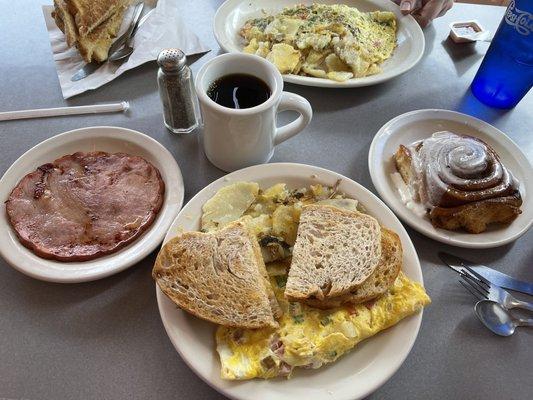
237, 138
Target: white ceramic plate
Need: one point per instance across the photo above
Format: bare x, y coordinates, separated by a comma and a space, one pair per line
104, 138
412, 126
232, 15
353, 376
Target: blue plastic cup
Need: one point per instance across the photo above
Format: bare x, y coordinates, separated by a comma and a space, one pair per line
506, 73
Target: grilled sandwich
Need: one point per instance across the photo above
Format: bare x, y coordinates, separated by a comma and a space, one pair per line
92, 41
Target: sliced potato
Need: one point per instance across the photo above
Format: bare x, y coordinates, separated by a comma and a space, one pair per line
228, 205
252, 47
283, 29
315, 58
318, 73
284, 57
298, 67
268, 200
339, 76
335, 64
285, 222
353, 57
290, 27
260, 225
373, 69
278, 192
348, 204
317, 41
360, 68
263, 49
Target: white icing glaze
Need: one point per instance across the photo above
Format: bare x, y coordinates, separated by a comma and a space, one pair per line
462, 163
407, 195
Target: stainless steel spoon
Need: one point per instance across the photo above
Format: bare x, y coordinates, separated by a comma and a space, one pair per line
498, 319
128, 48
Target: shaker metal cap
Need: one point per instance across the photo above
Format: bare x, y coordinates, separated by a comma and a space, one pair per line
171, 60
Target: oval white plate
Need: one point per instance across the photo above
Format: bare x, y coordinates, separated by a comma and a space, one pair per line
232, 15
104, 138
353, 376
420, 124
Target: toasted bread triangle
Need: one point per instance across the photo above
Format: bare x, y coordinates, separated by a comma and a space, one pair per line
219, 277
336, 250
88, 14
376, 284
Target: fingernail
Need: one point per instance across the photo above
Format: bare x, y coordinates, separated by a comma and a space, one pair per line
406, 6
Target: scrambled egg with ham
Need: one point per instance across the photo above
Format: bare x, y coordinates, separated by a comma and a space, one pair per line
336, 42
307, 337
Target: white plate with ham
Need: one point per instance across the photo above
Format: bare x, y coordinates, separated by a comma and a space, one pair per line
88, 203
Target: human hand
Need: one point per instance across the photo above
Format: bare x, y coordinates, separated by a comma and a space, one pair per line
425, 11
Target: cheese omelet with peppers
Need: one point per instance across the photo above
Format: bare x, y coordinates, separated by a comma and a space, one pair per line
309, 337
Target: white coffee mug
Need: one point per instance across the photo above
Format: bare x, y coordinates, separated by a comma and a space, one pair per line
238, 138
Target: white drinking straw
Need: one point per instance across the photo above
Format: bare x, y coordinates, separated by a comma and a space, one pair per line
54, 112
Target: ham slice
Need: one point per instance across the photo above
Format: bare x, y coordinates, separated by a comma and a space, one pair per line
85, 205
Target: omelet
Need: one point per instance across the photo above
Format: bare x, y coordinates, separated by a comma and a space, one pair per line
309, 337
326, 41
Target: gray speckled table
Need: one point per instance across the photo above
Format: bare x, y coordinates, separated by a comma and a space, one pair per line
105, 340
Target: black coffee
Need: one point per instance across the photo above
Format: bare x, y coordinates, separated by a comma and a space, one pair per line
239, 91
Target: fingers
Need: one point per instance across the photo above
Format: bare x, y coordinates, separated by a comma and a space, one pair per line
405, 7
447, 6
408, 6
426, 13
430, 11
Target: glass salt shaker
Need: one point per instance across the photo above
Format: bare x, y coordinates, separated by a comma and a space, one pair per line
174, 79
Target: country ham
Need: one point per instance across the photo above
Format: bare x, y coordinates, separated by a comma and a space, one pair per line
85, 205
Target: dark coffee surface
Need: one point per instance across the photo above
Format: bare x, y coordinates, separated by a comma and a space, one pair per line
239, 91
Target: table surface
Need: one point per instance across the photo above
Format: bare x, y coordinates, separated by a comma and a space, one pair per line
105, 339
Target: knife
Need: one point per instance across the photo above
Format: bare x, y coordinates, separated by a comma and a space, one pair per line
91, 67
496, 277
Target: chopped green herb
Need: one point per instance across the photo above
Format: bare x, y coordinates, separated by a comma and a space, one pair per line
281, 280
333, 354
298, 319
295, 308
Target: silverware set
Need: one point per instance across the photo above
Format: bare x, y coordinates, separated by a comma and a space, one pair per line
494, 303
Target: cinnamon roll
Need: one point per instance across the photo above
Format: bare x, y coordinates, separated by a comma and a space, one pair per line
460, 181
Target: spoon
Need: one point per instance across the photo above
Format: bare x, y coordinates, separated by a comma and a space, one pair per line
498, 319
128, 48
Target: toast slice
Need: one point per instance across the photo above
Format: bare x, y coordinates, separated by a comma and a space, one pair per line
95, 46
65, 21
219, 277
379, 282
88, 14
336, 250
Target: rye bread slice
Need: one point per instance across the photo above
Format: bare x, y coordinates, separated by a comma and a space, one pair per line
379, 282
336, 250
219, 277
